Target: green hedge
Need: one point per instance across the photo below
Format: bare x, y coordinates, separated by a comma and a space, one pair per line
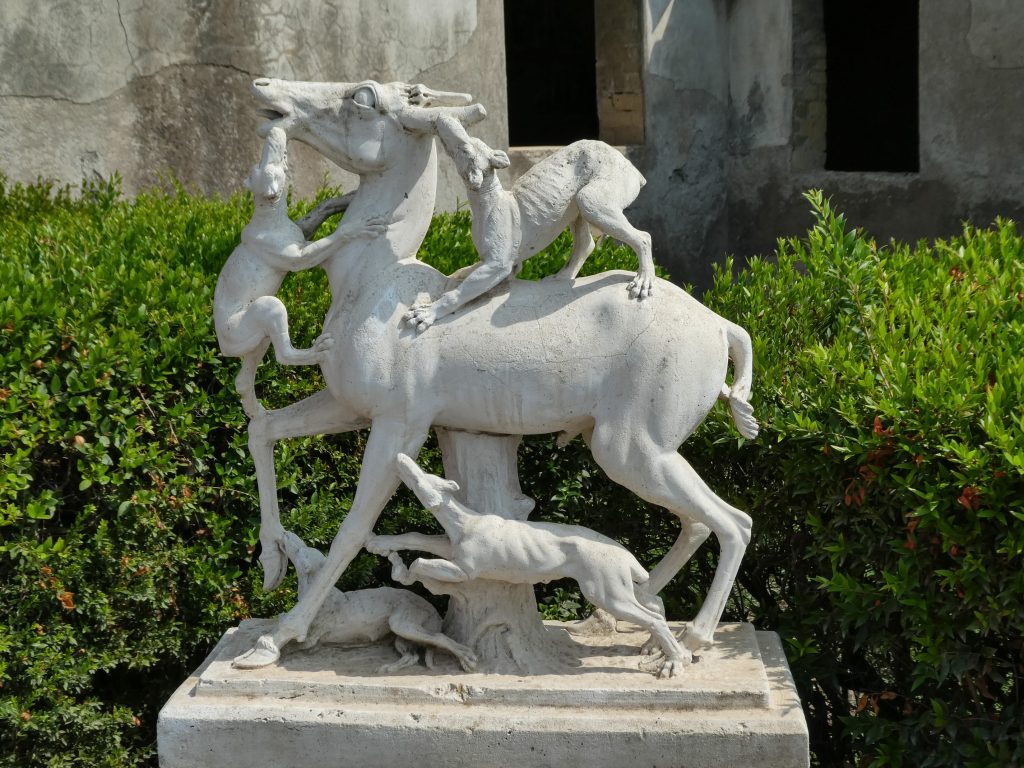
128, 509
886, 486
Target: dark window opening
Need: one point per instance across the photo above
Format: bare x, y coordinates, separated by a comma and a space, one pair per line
551, 71
872, 91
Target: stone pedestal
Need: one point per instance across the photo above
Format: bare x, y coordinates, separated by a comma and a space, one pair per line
327, 708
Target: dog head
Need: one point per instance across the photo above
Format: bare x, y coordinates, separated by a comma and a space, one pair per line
475, 161
431, 490
269, 179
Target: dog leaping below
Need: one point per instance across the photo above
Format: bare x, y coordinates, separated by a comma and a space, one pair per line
486, 546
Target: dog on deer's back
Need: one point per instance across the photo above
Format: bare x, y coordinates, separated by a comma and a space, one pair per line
368, 615
585, 183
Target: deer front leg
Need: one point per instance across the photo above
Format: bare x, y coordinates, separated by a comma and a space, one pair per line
319, 414
378, 480
272, 557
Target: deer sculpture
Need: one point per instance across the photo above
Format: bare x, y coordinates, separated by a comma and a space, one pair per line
635, 378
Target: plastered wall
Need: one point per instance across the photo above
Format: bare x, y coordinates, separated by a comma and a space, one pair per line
725, 114
155, 87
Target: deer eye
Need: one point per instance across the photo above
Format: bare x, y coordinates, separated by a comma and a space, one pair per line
365, 97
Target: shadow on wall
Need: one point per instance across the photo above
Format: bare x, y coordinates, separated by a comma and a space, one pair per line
686, 95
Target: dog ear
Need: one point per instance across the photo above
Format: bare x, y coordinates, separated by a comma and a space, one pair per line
499, 159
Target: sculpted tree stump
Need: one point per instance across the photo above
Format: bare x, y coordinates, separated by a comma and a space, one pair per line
499, 621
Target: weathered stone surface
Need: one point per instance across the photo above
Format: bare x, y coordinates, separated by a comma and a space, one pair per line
732, 129
604, 367
151, 89
970, 78
329, 708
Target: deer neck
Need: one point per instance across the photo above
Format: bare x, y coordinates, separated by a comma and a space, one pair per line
403, 195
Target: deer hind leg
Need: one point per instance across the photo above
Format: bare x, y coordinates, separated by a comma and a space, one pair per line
692, 535
582, 247
601, 204
665, 478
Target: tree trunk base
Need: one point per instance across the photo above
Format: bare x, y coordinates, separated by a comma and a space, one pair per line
499, 621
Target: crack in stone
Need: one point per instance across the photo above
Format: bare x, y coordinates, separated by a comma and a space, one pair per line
127, 45
46, 97
232, 67
140, 76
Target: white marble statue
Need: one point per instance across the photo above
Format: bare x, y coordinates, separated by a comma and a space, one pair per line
247, 315
586, 183
635, 378
485, 546
369, 615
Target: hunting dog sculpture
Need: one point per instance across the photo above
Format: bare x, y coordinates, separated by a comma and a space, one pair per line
587, 182
486, 546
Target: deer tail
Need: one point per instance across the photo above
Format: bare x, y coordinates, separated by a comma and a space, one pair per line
741, 353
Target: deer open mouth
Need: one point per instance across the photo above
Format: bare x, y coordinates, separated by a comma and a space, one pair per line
269, 105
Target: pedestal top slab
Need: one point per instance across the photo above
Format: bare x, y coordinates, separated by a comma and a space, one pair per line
586, 671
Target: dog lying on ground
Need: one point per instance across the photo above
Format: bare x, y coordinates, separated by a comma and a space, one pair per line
368, 615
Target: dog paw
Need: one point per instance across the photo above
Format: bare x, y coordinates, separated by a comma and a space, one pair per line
420, 318
642, 286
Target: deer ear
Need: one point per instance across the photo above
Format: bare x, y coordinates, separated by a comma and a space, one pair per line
499, 159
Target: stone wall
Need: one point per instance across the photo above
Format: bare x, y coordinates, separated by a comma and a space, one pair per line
619, 68
685, 153
736, 127
155, 88
809, 81
971, 126
720, 103
717, 99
